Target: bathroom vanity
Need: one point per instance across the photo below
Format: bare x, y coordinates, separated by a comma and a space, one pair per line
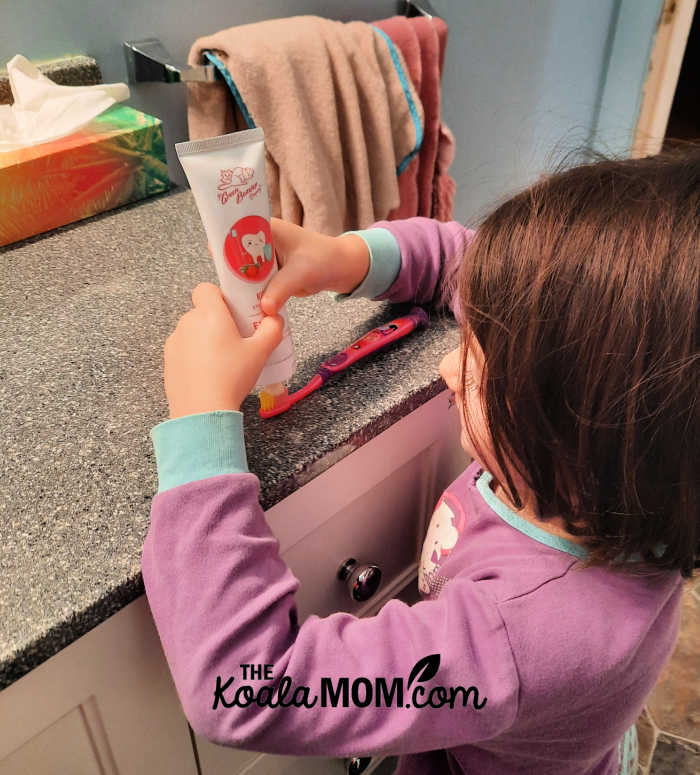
352, 473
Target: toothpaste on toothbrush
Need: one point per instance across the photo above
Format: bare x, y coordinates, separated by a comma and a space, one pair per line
227, 178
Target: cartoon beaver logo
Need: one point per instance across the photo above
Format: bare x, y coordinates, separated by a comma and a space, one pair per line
238, 176
237, 183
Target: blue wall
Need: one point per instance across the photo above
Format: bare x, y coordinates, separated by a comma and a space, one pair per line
529, 81
525, 81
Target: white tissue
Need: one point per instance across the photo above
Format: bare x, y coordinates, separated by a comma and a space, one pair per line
44, 110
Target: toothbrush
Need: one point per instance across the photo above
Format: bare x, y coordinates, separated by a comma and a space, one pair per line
377, 339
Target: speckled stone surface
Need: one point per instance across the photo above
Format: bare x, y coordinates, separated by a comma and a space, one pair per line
86, 311
69, 71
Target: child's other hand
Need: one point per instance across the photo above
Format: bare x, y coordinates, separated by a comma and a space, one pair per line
310, 262
208, 364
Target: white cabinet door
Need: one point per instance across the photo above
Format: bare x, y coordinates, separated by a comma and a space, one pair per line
373, 505
64, 746
105, 705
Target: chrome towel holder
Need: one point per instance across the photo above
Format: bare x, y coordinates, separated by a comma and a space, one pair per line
421, 8
148, 60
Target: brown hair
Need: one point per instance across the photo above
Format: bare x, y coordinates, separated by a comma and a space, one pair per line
582, 292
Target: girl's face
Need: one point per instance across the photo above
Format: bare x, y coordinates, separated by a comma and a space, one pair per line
470, 404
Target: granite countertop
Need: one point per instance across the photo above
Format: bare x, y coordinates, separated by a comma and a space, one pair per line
86, 311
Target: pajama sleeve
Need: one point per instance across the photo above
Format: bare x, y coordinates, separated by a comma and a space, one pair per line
412, 260
434, 675
221, 597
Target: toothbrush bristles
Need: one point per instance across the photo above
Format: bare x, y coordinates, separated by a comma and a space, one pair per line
270, 401
267, 401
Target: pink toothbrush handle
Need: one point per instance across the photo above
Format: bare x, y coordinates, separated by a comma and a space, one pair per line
377, 339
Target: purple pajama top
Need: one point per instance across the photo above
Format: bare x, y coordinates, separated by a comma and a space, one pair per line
514, 661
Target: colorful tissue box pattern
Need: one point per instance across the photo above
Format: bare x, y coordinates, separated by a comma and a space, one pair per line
118, 157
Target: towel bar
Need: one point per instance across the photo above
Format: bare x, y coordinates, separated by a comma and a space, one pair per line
420, 8
149, 60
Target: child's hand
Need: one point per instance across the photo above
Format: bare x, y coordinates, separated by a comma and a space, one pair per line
208, 364
310, 262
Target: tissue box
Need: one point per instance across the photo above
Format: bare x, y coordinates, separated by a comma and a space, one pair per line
118, 157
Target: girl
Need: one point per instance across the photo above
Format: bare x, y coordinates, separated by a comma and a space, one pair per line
559, 602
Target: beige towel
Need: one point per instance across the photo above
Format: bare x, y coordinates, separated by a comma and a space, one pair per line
337, 120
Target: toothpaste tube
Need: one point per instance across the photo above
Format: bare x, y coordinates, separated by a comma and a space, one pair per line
227, 178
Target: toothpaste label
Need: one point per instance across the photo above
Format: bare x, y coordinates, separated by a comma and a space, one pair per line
248, 249
238, 182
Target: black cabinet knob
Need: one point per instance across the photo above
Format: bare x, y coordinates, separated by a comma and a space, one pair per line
362, 580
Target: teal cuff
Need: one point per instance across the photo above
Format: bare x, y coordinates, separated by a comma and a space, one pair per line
384, 264
198, 446
538, 533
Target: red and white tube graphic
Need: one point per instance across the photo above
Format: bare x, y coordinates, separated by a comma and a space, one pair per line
228, 181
